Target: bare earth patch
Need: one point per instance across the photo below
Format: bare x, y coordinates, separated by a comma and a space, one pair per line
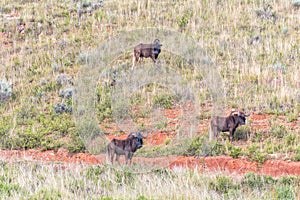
218, 163
273, 167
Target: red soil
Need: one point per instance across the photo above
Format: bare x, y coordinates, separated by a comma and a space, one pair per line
218, 163
239, 166
60, 155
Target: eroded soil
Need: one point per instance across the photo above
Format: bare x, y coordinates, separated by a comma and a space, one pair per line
217, 163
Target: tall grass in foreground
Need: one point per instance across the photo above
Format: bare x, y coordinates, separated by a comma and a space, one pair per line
34, 180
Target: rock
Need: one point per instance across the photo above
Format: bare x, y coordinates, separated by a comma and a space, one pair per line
63, 79
296, 3
5, 90
67, 93
62, 108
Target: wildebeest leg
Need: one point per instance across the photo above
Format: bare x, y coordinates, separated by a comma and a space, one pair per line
127, 154
111, 157
130, 157
153, 58
215, 132
136, 57
117, 158
231, 132
141, 60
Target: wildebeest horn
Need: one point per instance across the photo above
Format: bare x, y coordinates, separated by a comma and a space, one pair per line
247, 115
145, 136
232, 111
133, 134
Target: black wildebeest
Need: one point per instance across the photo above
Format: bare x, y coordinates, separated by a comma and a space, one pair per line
146, 50
126, 147
227, 124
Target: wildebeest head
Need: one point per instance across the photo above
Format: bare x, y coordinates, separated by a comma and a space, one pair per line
241, 117
138, 138
156, 46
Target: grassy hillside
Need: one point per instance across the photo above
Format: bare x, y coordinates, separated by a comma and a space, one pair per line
253, 44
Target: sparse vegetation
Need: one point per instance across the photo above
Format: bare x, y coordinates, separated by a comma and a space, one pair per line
253, 44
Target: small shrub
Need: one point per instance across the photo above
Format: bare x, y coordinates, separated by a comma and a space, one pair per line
104, 108
50, 144
257, 136
289, 180
256, 181
235, 151
183, 21
218, 149
271, 147
297, 154
163, 100
76, 144
161, 125
291, 139
278, 131
124, 177
284, 192
7, 189
259, 157
93, 173
292, 117
242, 133
223, 184
167, 141
201, 147
256, 154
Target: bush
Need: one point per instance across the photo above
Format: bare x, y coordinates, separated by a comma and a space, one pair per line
278, 131
50, 144
76, 145
256, 154
201, 147
297, 156
235, 151
252, 181
223, 184
242, 133
104, 109
163, 100
7, 189
285, 192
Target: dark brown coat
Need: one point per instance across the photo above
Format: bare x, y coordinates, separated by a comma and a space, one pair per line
227, 124
147, 50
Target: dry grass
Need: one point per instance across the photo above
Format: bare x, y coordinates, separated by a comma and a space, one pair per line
35, 180
253, 44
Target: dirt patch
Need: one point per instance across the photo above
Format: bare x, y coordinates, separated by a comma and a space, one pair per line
218, 163
238, 166
227, 164
60, 155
